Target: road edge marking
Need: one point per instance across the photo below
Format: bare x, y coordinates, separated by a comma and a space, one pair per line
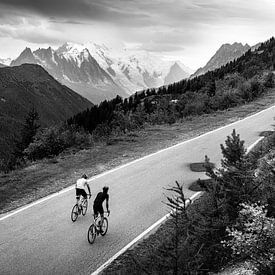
157, 223
142, 235
18, 210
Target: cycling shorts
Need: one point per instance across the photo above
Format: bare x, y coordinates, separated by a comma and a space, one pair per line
98, 209
80, 192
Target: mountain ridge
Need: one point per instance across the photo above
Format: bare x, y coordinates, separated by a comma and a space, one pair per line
226, 53
98, 72
30, 86
83, 70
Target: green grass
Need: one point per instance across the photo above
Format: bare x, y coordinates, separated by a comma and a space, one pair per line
48, 176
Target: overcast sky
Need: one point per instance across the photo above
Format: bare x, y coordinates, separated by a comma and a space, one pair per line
189, 30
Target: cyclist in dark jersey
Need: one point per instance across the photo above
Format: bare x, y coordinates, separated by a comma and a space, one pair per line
98, 203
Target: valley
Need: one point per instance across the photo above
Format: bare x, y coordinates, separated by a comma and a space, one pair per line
155, 100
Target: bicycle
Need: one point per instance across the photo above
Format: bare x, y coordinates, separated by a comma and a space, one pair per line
97, 228
79, 208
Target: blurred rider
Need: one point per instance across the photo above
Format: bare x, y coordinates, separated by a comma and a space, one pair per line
80, 188
98, 203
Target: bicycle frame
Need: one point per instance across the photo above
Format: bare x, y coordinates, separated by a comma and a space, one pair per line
97, 219
95, 229
79, 208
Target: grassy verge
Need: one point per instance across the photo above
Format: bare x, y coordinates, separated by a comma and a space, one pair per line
51, 175
142, 256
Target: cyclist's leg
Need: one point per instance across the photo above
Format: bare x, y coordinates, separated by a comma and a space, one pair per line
77, 195
101, 211
83, 194
95, 211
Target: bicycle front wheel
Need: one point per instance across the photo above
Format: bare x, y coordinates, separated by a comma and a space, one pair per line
104, 227
91, 234
84, 207
74, 213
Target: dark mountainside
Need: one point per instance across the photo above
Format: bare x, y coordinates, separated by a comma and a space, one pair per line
82, 74
28, 86
224, 54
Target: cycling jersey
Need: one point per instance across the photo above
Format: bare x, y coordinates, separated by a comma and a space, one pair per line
100, 198
80, 183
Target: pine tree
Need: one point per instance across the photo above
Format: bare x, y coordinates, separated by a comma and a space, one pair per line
233, 151
28, 131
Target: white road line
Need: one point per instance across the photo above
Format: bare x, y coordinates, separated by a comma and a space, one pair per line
153, 226
36, 202
125, 165
139, 237
253, 144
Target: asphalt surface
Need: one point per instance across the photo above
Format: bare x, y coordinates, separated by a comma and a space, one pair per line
43, 240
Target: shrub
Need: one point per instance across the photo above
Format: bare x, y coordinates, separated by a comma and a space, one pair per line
53, 140
197, 107
253, 237
269, 80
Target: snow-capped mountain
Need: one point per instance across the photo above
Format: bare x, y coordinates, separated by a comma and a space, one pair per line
98, 72
134, 70
76, 68
5, 61
226, 53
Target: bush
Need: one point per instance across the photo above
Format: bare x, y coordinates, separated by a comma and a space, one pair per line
198, 106
226, 100
251, 89
253, 237
269, 80
53, 140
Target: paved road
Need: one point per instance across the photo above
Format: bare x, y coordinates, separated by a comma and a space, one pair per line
43, 240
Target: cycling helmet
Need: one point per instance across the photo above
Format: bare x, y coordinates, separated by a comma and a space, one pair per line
84, 176
105, 189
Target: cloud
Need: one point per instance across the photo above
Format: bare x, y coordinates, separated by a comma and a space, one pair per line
140, 13
154, 25
35, 31
81, 10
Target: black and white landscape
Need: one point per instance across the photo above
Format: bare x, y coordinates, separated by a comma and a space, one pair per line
98, 73
169, 104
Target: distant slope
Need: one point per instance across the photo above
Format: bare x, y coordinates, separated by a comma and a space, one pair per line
224, 54
27, 86
175, 74
75, 68
98, 72
5, 61
134, 70
239, 81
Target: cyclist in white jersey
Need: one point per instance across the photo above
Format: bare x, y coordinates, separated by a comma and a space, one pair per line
80, 188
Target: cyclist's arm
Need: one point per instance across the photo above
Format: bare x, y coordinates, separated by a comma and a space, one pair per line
88, 186
107, 204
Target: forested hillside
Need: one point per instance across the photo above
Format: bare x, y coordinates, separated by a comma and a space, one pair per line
238, 82
29, 87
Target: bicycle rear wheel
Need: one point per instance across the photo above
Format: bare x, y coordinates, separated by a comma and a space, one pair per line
84, 207
104, 227
74, 213
91, 234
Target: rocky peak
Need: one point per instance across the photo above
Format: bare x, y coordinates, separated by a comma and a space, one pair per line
226, 53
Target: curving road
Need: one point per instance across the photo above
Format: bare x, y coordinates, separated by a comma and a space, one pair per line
42, 239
